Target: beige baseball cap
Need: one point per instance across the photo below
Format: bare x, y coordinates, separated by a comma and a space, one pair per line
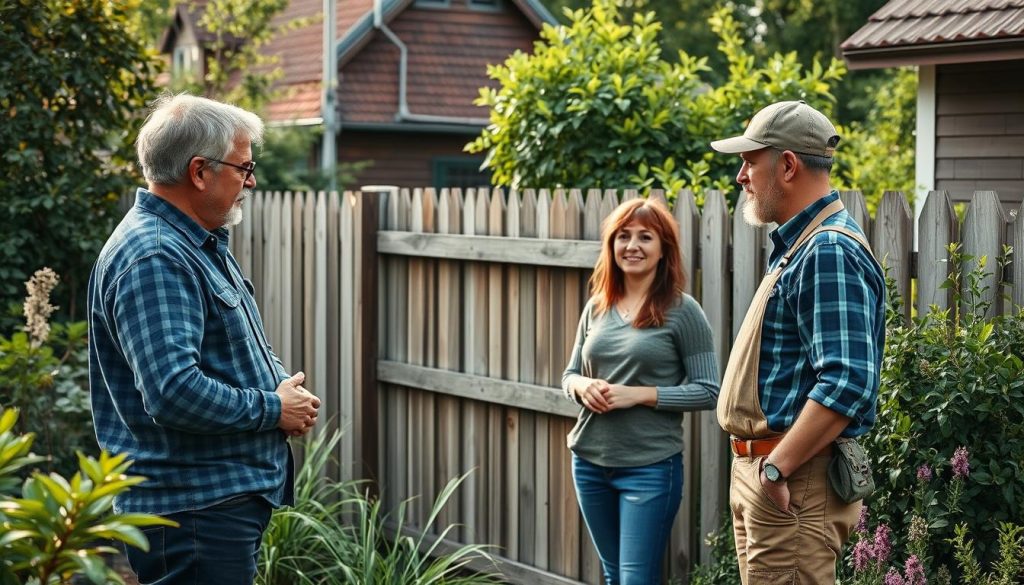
792, 126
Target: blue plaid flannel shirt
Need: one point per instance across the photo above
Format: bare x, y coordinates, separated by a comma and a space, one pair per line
824, 326
181, 376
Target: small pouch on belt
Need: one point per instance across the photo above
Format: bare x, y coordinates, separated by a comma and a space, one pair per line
849, 472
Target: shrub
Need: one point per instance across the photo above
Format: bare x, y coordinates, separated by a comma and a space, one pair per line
57, 528
337, 533
952, 378
44, 372
596, 106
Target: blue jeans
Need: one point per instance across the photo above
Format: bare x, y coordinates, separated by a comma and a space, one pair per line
215, 545
629, 512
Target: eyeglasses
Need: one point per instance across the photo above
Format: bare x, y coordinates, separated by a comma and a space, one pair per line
248, 167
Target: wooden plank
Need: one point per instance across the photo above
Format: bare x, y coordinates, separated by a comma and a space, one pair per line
272, 272
536, 252
496, 502
417, 307
347, 324
542, 375
938, 227
258, 241
748, 263
561, 559
892, 241
1017, 266
1011, 102
979, 146
396, 481
714, 479
511, 348
983, 237
857, 207
474, 512
449, 306
334, 392
527, 318
242, 238
316, 218
572, 306
427, 425
980, 124
686, 214
980, 168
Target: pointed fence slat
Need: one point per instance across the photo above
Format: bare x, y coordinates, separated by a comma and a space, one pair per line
984, 235
528, 497
449, 347
858, 209
938, 227
715, 235
511, 348
542, 363
495, 369
893, 240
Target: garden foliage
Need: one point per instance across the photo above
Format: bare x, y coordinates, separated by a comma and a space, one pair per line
595, 105
59, 528
337, 532
952, 378
74, 81
44, 372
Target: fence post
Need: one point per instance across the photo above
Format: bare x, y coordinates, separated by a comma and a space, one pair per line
367, 218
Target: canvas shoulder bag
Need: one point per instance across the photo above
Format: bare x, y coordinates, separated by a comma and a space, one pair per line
849, 472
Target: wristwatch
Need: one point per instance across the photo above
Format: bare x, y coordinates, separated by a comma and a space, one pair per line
772, 473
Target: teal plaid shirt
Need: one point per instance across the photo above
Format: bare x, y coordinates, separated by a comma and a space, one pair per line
181, 376
824, 326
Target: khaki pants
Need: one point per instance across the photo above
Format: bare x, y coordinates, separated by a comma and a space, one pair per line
799, 547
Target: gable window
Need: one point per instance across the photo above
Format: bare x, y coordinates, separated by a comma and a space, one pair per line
459, 171
433, 3
186, 61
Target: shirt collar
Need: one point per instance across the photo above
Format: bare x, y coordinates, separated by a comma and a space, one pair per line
786, 234
196, 234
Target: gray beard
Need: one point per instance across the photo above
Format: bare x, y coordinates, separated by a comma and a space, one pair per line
234, 216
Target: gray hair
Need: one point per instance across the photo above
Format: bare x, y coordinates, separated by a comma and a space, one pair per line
812, 162
184, 126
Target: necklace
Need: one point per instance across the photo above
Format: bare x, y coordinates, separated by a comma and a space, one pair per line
626, 314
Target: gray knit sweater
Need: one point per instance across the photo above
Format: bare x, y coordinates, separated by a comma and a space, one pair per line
677, 358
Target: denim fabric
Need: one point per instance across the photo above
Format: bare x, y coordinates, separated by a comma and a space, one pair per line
629, 512
219, 545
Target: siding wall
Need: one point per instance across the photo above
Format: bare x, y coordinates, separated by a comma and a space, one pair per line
400, 159
980, 130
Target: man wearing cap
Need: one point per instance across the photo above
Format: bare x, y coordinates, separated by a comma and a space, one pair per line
804, 369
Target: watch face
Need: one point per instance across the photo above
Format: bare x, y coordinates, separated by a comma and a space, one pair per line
771, 472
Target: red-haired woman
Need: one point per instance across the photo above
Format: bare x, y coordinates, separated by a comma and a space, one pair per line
643, 356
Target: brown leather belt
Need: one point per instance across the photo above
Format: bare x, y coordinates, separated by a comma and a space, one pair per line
764, 447
754, 447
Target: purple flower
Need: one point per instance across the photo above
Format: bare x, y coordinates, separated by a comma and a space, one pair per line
862, 555
924, 474
915, 571
883, 544
961, 467
894, 578
862, 523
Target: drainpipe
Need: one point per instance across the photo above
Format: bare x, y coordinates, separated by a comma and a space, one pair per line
328, 110
403, 114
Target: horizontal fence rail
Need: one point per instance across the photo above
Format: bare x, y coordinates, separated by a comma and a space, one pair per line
436, 326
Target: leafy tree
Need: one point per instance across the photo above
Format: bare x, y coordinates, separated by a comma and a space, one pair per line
596, 106
878, 155
74, 81
236, 68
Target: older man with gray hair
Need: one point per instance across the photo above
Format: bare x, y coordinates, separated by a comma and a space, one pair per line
182, 377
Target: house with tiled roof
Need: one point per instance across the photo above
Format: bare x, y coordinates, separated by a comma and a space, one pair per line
406, 80
970, 104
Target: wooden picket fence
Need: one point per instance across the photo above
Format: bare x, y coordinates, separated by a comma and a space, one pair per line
436, 325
